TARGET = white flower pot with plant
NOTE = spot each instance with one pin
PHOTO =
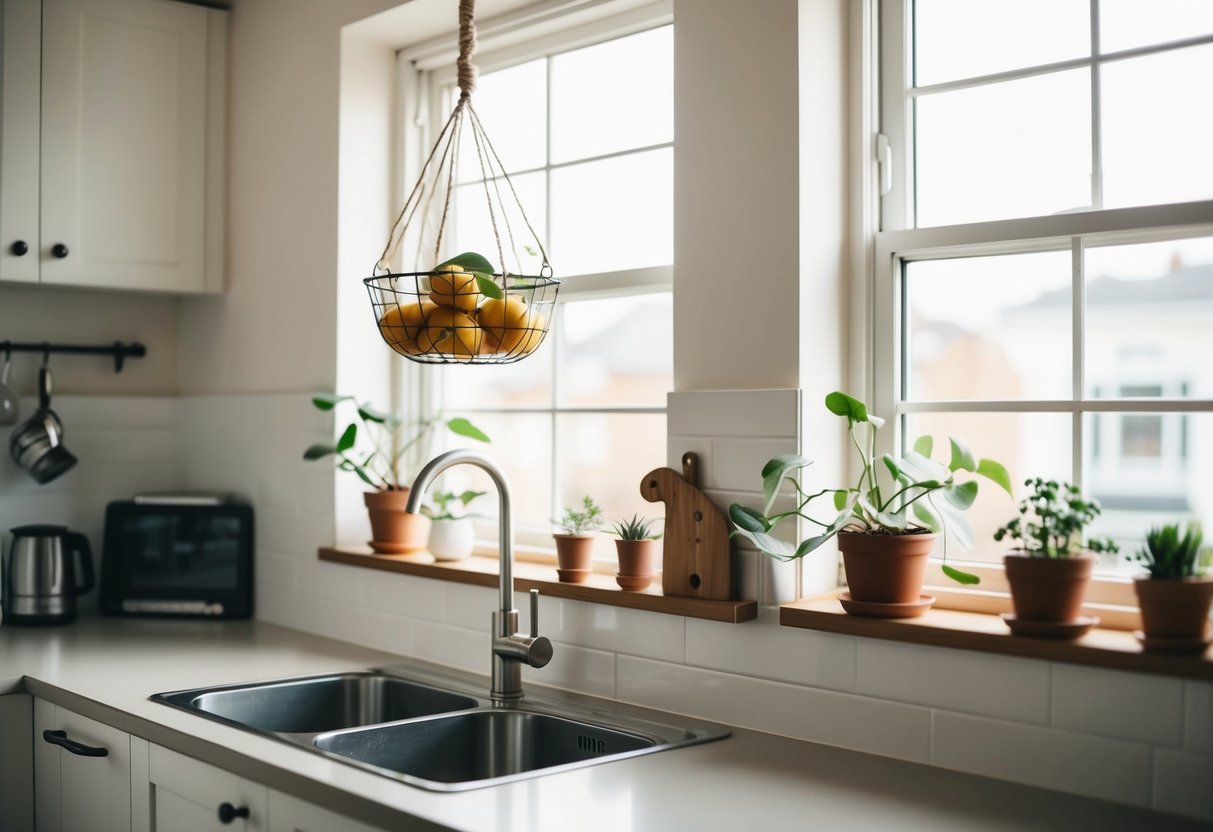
(452, 533)
(575, 546)
(885, 525)
(375, 455)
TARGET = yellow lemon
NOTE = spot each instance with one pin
(507, 321)
(532, 337)
(455, 288)
(405, 319)
(450, 331)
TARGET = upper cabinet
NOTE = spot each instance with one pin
(111, 162)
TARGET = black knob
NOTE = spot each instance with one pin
(228, 812)
(59, 250)
(19, 248)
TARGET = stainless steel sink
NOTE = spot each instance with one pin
(435, 729)
(486, 745)
(325, 703)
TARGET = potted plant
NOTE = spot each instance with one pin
(452, 535)
(1174, 597)
(378, 464)
(1049, 567)
(575, 546)
(635, 550)
(886, 524)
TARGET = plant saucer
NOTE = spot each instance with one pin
(875, 609)
(393, 548)
(573, 576)
(1157, 644)
(1050, 629)
(633, 583)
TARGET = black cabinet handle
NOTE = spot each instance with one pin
(19, 248)
(60, 739)
(228, 812)
(59, 250)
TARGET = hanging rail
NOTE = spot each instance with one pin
(118, 350)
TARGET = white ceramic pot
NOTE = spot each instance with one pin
(452, 539)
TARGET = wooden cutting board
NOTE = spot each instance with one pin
(695, 560)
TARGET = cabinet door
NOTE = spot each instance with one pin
(124, 158)
(16, 763)
(187, 796)
(74, 791)
(289, 814)
(19, 138)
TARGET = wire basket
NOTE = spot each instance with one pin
(467, 309)
(441, 317)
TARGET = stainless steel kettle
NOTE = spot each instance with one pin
(43, 572)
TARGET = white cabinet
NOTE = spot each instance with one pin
(126, 132)
(82, 773)
(187, 795)
(16, 763)
(289, 814)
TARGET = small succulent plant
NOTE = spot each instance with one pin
(638, 528)
(1170, 554)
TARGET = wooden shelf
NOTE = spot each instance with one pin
(1115, 649)
(598, 589)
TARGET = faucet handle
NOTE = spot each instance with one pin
(534, 613)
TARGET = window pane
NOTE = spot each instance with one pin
(1124, 24)
(1015, 149)
(613, 214)
(1147, 469)
(613, 96)
(474, 226)
(606, 456)
(1156, 120)
(525, 384)
(963, 39)
(1029, 444)
(617, 351)
(512, 105)
(1150, 319)
(522, 445)
(989, 327)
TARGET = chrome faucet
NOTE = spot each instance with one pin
(510, 648)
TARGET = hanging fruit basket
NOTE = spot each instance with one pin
(464, 309)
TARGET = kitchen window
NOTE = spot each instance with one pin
(583, 121)
(1043, 271)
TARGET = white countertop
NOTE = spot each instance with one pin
(107, 668)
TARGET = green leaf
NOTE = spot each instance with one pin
(362, 475)
(996, 472)
(462, 427)
(347, 439)
(960, 495)
(751, 520)
(927, 516)
(488, 287)
(962, 456)
(834, 528)
(319, 451)
(327, 401)
(924, 445)
(956, 524)
(841, 498)
(370, 414)
(890, 520)
(891, 464)
(768, 544)
(775, 472)
(966, 578)
(922, 470)
(470, 261)
(467, 496)
(840, 404)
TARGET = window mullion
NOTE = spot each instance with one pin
(1078, 299)
(1096, 112)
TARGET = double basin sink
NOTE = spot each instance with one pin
(442, 736)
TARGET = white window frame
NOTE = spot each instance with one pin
(896, 242)
(535, 32)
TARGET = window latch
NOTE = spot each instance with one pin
(884, 157)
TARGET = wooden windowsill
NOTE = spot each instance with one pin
(1115, 649)
(598, 589)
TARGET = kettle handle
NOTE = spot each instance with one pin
(83, 554)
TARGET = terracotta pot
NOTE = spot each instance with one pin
(1048, 589)
(391, 525)
(635, 564)
(885, 568)
(452, 539)
(574, 553)
(1174, 608)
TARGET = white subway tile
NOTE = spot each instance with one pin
(330, 581)
(737, 463)
(1078, 763)
(1133, 706)
(456, 647)
(763, 648)
(1183, 783)
(469, 606)
(957, 680)
(734, 413)
(403, 594)
(275, 569)
(577, 669)
(676, 446)
(848, 721)
(720, 697)
(1198, 716)
(619, 630)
